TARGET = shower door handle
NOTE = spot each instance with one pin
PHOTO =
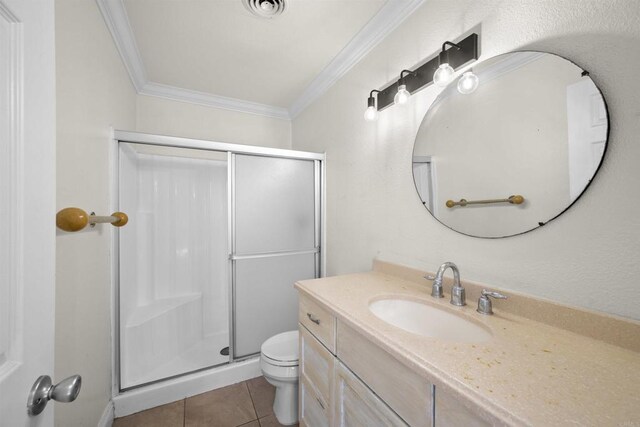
(236, 257)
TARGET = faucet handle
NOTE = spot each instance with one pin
(493, 294)
(436, 287)
(484, 303)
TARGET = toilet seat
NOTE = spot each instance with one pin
(284, 364)
(281, 349)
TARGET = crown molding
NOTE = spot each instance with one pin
(115, 16)
(392, 14)
(210, 100)
(117, 21)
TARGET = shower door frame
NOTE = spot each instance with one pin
(233, 256)
(231, 150)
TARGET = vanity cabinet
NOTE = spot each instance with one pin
(331, 395)
(346, 380)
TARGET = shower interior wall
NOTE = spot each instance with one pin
(174, 299)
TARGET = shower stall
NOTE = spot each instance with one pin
(217, 235)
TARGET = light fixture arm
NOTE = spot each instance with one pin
(371, 102)
(402, 76)
(444, 45)
(443, 57)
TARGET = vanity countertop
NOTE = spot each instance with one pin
(529, 373)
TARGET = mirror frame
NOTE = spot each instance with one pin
(595, 173)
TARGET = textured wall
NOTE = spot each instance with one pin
(587, 257)
(93, 93)
(167, 117)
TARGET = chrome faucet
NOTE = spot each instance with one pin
(457, 292)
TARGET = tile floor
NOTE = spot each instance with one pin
(246, 404)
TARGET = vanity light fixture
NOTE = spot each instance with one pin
(468, 83)
(445, 72)
(453, 55)
(371, 113)
(402, 96)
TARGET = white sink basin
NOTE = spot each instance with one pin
(428, 321)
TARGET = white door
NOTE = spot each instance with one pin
(424, 178)
(27, 205)
(587, 133)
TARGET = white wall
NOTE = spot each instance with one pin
(586, 257)
(93, 92)
(167, 117)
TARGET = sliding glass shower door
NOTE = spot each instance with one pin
(275, 242)
(217, 236)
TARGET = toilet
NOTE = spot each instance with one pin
(279, 364)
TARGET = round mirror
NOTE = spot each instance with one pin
(511, 146)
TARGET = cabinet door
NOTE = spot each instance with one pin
(316, 364)
(356, 406)
(451, 413)
(406, 393)
(316, 381)
(314, 412)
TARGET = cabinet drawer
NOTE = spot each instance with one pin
(404, 391)
(357, 406)
(316, 364)
(313, 411)
(319, 322)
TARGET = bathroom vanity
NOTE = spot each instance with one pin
(348, 380)
(547, 365)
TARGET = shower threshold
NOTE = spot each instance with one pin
(204, 354)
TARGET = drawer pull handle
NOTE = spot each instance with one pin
(313, 318)
(320, 402)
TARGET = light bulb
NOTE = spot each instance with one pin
(402, 96)
(468, 83)
(443, 75)
(371, 114)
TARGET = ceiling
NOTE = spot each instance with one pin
(215, 52)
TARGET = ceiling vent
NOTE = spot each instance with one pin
(265, 8)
